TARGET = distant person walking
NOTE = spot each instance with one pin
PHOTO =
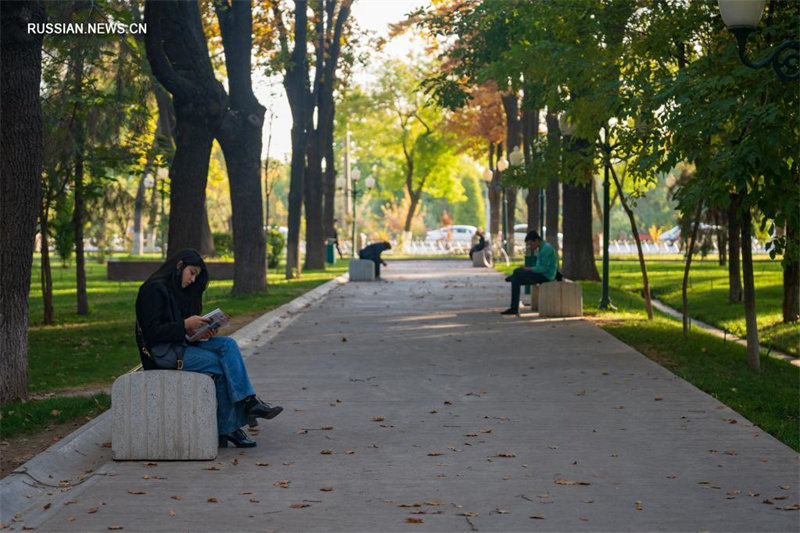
(545, 269)
(168, 308)
(373, 253)
(478, 246)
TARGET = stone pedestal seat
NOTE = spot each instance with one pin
(560, 299)
(480, 258)
(361, 270)
(164, 415)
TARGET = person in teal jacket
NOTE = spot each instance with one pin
(545, 269)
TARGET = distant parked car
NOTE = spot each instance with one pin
(672, 235)
(457, 233)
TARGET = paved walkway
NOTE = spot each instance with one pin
(412, 405)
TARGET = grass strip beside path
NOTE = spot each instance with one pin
(770, 399)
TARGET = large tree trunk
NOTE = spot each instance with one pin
(722, 236)
(734, 243)
(20, 185)
(578, 261)
(178, 55)
(513, 139)
(46, 273)
(553, 191)
(749, 287)
(206, 237)
(240, 138)
(79, 140)
(312, 201)
(791, 273)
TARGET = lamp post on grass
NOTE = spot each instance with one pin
(741, 17)
(355, 192)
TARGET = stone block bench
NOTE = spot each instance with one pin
(560, 299)
(361, 270)
(164, 415)
(534, 297)
(479, 258)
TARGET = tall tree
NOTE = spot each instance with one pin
(20, 183)
(178, 55)
(240, 139)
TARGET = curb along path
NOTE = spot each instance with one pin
(412, 405)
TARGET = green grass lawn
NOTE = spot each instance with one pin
(708, 296)
(770, 399)
(89, 351)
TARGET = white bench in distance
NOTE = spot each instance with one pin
(479, 258)
(164, 415)
(361, 270)
(560, 299)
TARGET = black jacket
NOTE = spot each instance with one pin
(158, 317)
(373, 251)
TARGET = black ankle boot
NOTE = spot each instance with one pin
(239, 439)
(255, 408)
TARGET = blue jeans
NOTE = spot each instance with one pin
(220, 356)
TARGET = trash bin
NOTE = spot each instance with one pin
(329, 257)
(530, 260)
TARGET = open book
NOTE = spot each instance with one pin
(216, 319)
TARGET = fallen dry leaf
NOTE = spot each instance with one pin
(470, 434)
(412, 520)
(213, 468)
(283, 484)
(245, 493)
(172, 512)
(434, 503)
(212, 500)
(562, 481)
(253, 500)
(137, 492)
(46, 506)
(106, 445)
(619, 407)
(784, 487)
(501, 511)
(300, 505)
(150, 463)
(302, 431)
(235, 461)
(92, 510)
(176, 497)
(506, 454)
(539, 517)
(378, 419)
(638, 506)
(732, 421)
(326, 489)
(486, 431)
(448, 402)
(469, 514)
(409, 505)
(433, 411)
(657, 399)
(349, 452)
(262, 464)
(582, 393)
(326, 452)
(434, 454)
(115, 528)
(70, 502)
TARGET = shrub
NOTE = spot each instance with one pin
(223, 243)
(275, 244)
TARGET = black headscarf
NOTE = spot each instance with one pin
(190, 298)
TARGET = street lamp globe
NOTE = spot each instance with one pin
(741, 13)
(487, 174)
(502, 165)
(369, 182)
(355, 174)
(515, 157)
(566, 125)
(149, 181)
(340, 182)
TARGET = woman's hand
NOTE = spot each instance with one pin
(193, 323)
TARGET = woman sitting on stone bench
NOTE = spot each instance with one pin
(167, 309)
(545, 269)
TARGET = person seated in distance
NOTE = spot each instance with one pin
(479, 245)
(545, 269)
(169, 307)
(373, 253)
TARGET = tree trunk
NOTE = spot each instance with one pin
(138, 208)
(178, 56)
(749, 289)
(734, 243)
(412, 210)
(689, 254)
(532, 200)
(722, 236)
(206, 238)
(188, 176)
(791, 272)
(79, 140)
(552, 192)
(312, 201)
(513, 139)
(635, 230)
(578, 258)
(495, 194)
(21, 149)
(46, 274)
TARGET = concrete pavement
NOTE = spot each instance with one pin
(412, 405)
